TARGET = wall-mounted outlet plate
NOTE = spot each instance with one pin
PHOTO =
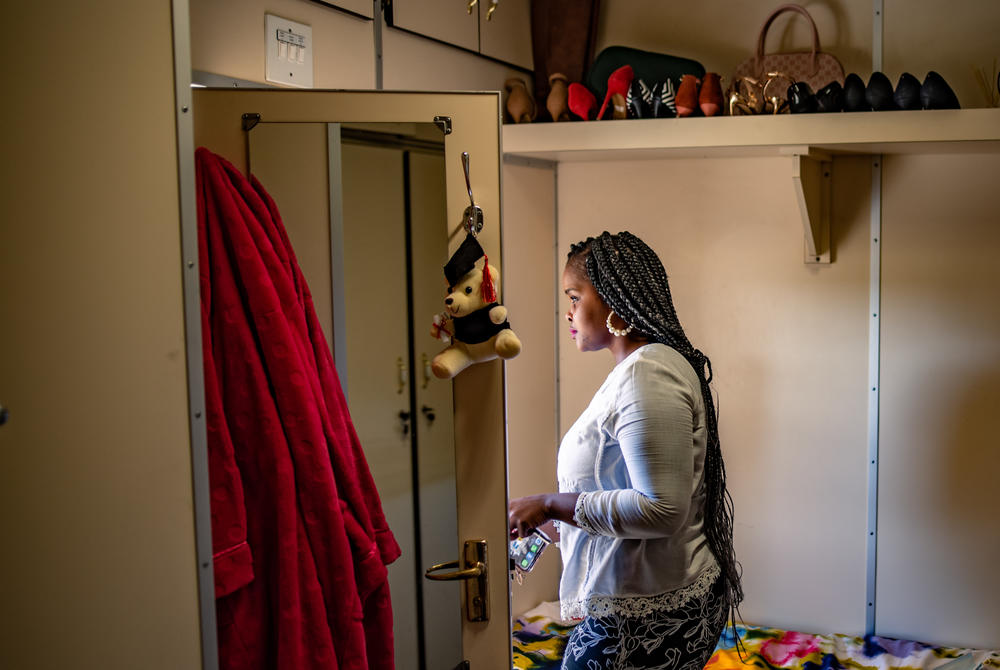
(289, 52)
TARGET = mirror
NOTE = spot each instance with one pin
(365, 209)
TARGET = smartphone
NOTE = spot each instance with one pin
(524, 551)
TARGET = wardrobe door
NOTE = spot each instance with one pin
(445, 20)
(377, 376)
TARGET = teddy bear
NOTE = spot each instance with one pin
(473, 322)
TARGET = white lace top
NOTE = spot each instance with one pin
(637, 456)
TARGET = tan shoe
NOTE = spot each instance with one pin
(558, 101)
(520, 104)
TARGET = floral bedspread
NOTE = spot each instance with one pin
(539, 640)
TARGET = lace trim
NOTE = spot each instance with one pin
(580, 516)
(640, 606)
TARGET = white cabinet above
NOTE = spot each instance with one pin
(503, 34)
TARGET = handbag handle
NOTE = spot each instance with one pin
(791, 7)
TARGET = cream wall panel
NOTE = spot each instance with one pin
(96, 514)
(720, 34)
(788, 344)
(227, 38)
(532, 434)
(951, 39)
(939, 533)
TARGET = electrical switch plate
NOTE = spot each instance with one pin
(289, 52)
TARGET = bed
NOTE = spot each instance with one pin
(540, 636)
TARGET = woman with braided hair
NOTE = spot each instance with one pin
(646, 523)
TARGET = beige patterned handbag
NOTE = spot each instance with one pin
(815, 67)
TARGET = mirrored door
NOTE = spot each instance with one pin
(373, 239)
(224, 123)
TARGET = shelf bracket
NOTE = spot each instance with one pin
(812, 177)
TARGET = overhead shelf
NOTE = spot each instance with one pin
(810, 141)
(925, 131)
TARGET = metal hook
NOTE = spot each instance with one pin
(473, 215)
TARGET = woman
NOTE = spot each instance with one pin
(645, 518)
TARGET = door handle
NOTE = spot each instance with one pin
(467, 573)
(401, 375)
(474, 573)
(425, 365)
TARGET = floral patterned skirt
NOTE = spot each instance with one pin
(680, 639)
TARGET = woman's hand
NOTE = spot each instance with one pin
(527, 513)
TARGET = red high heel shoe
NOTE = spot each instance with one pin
(687, 95)
(581, 100)
(618, 83)
(710, 98)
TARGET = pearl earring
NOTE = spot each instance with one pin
(615, 331)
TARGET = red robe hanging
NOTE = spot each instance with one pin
(299, 538)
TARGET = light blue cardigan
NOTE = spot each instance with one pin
(637, 456)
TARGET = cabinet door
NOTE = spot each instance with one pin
(445, 20)
(359, 7)
(506, 35)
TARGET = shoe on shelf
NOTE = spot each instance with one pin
(520, 104)
(801, 99)
(581, 101)
(639, 100)
(618, 108)
(687, 95)
(936, 94)
(664, 104)
(854, 94)
(907, 95)
(879, 93)
(558, 100)
(710, 96)
(618, 84)
(830, 98)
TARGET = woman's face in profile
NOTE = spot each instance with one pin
(587, 312)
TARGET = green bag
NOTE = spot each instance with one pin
(649, 66)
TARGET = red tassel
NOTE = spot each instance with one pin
(489, 291)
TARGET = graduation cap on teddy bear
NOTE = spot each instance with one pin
(464, 261)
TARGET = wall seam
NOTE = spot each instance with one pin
(874, 350)
(191, 286)
(874, 356)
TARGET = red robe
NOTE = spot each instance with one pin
(299, 538)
